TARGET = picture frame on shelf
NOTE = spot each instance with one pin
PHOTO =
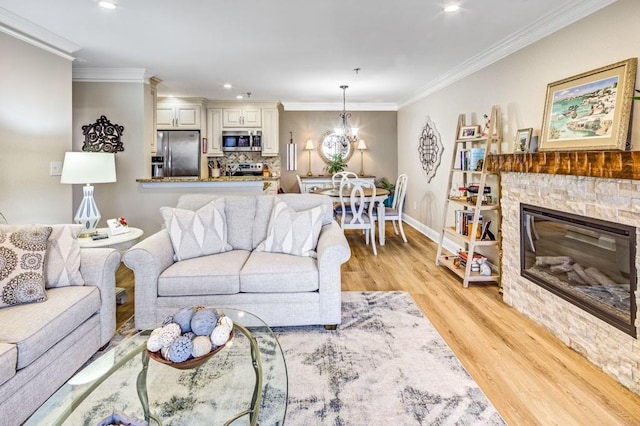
(590, 111)
(469, 132)
(523, 140)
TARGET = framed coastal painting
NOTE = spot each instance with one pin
(590, 111)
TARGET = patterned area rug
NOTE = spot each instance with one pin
(385, 364)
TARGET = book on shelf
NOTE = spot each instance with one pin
(476, 155)
(464, 222)
(464, 257)
(464, 159)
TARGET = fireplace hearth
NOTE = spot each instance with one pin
(587, 262)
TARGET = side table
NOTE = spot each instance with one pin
(120, 242)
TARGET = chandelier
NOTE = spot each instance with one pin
(346, 133)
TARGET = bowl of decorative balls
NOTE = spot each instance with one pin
(189, 337)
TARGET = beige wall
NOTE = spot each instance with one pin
(35, 128)
(518, 85)
(378, 129)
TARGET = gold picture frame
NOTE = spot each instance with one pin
(590, 111)
(523, 139)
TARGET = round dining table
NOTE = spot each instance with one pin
(381, 195)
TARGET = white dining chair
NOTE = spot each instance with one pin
(300, 186)
(337, 178)
(394, 213)
(359, 214)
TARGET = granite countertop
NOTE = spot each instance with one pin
(218, 179)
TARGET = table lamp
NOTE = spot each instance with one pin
(309, 147)
(361, 146)
(88, 168)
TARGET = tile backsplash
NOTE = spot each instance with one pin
(248, 157)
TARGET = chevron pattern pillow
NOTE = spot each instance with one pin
(197, 233)
(293, 232)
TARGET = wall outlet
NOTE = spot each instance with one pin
(55, 168)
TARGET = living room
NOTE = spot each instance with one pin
(44, 107)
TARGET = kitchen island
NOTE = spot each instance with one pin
(237, 184)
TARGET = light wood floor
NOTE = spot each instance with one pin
(529, 375)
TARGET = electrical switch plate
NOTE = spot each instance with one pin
(55, 168)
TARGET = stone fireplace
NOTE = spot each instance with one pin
(582, 185)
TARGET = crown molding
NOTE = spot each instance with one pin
(111, 75)
(332, 106)
(35, 35)
(554, 20)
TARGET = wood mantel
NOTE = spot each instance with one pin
(602, 164)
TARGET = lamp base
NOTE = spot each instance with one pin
(88, 214)
(309, 173)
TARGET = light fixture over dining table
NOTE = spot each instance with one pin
(347, 133)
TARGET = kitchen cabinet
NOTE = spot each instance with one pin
(214, 132)
(178, 116)
(242, 117)
(270, 132)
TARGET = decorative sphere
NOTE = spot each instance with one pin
(191, 335)
(180, 349)
(168, 319)
(169, 333)
(156, 331)
(154, 343)
(183, 318)
(201, 346)
(165, 352)
(220, 335)
(203, 322)
(226, 321)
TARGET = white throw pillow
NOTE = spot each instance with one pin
(293, 232)
(62, 266)
(197, 233)
(22, 260)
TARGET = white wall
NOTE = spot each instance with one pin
(518, 85)
(35, 128)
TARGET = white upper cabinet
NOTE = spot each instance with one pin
(214, 132)
(178, 116)
(270, 132)
(242, 117)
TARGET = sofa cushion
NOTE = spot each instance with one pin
(241, 213)
(36, 328)
(214, 274)
(293, 232)
(8, 361)
(22, 260)
(197, 233)
(278, 273)
(62, 264)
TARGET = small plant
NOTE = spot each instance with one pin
(385, 183)
(336, 164)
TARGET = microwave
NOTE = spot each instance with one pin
(242, 140)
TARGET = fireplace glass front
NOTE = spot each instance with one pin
(586, 261)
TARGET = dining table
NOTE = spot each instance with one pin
(381, 195)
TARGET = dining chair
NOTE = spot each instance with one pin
(300, 186)
(337, 178)
(394, 213)
(359, 214)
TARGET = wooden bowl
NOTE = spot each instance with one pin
(191, 362)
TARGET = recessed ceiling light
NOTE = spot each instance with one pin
(227, 86)
(239, 97)
(107, 4)
(451, 8)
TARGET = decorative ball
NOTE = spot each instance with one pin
(154, 343)
(165, 352)
(183, 318)
(156, 331)
(220, 335)
(168, 319)
(226, 321)
(180, 349)
(201, 346)
(169, 333)
(191, 335)
(203, 322)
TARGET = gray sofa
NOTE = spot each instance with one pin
(281, 289)
(43, 344)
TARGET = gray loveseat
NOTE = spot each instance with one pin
(43, 344)
(281, 289)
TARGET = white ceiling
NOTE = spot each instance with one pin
(296, 51)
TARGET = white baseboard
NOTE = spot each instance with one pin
(430, 233)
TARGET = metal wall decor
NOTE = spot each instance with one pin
(103, 136)
(430, 149)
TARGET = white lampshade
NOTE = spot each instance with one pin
(309, 146)
(88, 168)
(361, 144)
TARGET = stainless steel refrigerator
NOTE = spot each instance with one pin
(181, 152)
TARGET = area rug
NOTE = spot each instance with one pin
(385, 364)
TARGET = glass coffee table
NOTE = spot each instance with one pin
(244, 383)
